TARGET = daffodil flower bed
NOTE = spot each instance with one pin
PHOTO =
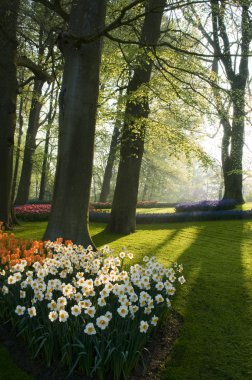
(92, 311)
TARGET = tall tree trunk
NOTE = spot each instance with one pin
(43, 179)
(105, 190)
(78, 106)
(30, 144)
(8, 98)
(110, 164)
(17, 159)
(232, 171)
(123, 213)
(225, 157)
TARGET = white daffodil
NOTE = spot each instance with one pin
(143, 326)
(90, 329)
(159, 298)
(76, 310)
(20, 310)
(109, 315)
(5, 290)
(32, 311)
(123, 311)
(61, 301)
(154, 320)
(181, 280)
(101, 301)
(122, 255)
(102, 322)
(130, 255)
(159, 286)
(53, 315)
(63, 315)
(91, 311)
(52, 305)
(11, 280)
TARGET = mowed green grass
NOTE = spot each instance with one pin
(216, 301)
(246, 206)
(155, 210)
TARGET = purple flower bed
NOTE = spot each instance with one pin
(224, 204)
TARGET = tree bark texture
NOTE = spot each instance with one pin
(110, 165)
(30, 144)
(50, 118)
(8, 98)
(123, 213)
(17, 158)
(43, 179)
(111, 159)
(232, 168)
(78, 106)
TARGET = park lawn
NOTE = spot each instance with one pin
(216, 301)
(246, 206)
(155, 210)
(145, 210)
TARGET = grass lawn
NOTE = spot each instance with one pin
(161, 210)
(246, 206)
(216, 301)
(155, 210)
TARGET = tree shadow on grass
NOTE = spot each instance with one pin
(101, 238)
(215, 342)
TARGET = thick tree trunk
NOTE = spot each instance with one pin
(8, 98)
(17, 159)
(110, 165)
(78, 106)
(232, 168)
(30, 144)
(123, 212)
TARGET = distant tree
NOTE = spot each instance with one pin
(30, 144)
(41, 53)
(227, 39)
(114, 145)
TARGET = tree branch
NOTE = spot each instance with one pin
(55, 7)
(37, 70)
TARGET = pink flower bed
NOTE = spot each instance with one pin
(33, 212)
(33, 209)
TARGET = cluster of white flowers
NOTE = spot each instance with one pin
(80, 283)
